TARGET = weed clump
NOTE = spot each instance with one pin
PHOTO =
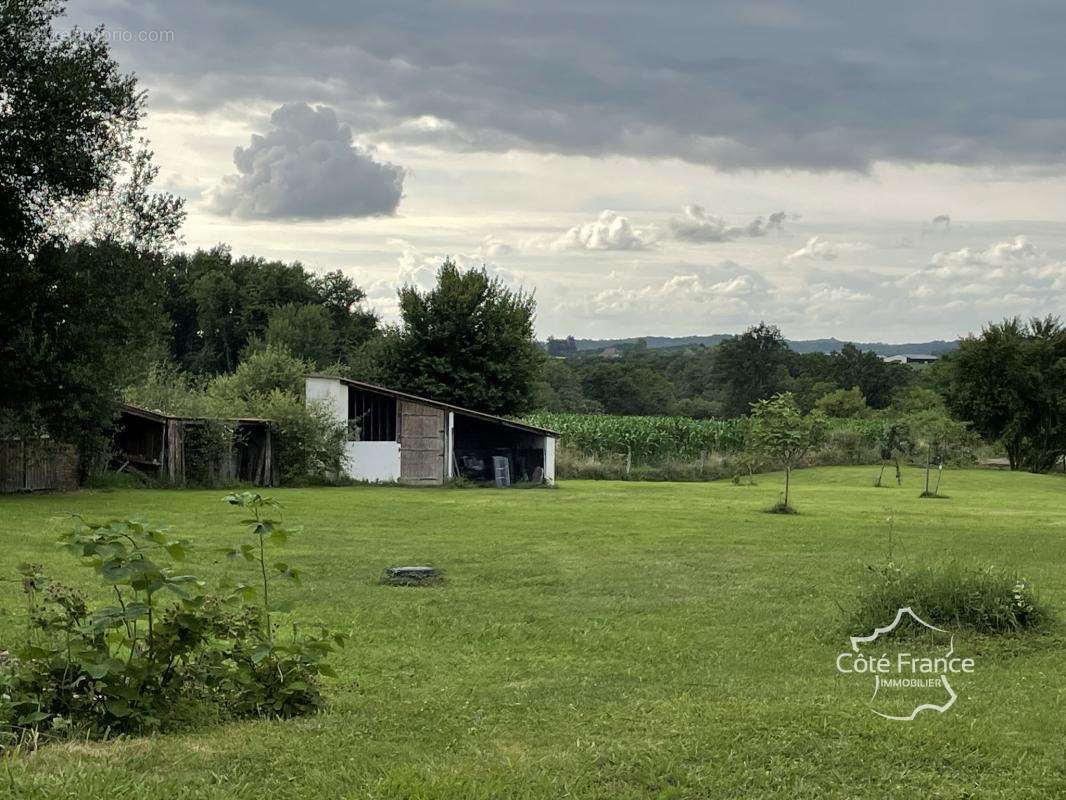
(982, 599)
(781, 508)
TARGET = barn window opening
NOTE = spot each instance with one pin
(371, 417)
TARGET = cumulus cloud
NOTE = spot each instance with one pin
(610, 231)
(306, 167)
(492, 247)
(727, 289)
(1001, 254)
(820, 249)
(697, 225)
(1012, 276)
(724, 297)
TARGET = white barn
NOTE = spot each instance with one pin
(399, 437)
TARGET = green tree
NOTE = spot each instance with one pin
(628, 388)
(893, 441)
(784, 434)
(87, 333)
(468, 341)
(261, 371)
(751, 367)
(938, 438)
(78, 314)
(353, 325)
(843, 404)
(876, 379)
(66, 114)
(307, 332)
(559, 389)
(1010, 381)
(219, 305)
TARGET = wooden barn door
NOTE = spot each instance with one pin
(421, 443)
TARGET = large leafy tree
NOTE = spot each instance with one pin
(80, 232)
(353, 324)
(306, 331)
(219, 305)
(66, 112)
(875, 378)
(1010, 382)
(629, 387)
(751, 367)
(468, 341)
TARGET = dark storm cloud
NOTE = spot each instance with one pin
(305, 167)
(825, 85)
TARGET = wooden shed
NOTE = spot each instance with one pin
(172, 448)
(399, 437)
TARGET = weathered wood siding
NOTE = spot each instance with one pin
(36, 465)
(422, 431)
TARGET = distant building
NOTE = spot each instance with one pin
(911, 358)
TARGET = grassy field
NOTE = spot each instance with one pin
(602, 640)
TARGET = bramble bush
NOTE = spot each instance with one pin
(164, 650)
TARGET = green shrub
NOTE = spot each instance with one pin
(163, 650)
(850, 446)
(309, 445)
(983, 599)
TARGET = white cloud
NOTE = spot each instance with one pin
(306, 167)
(491, 247)
(1006, 253)
(820, 249)
(1013, 276)
(610, 231)
(728, 290)
(417, 268)
(697, 225)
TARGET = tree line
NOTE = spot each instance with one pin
(723, 381)
(95, 294)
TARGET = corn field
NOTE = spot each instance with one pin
(650, 440)
(645, 439)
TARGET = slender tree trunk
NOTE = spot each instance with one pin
(881, 474)
(788, 475)
(928, 464)
(899, 474)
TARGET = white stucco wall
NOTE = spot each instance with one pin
(549, 460)
(376, 462)
(331, 393)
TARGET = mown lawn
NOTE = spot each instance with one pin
(602, 640)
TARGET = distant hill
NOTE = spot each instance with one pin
(936, 347)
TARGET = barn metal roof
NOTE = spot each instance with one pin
(469, 412)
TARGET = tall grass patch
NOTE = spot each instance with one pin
(983, 599)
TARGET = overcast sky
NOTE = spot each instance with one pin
(889, 171)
